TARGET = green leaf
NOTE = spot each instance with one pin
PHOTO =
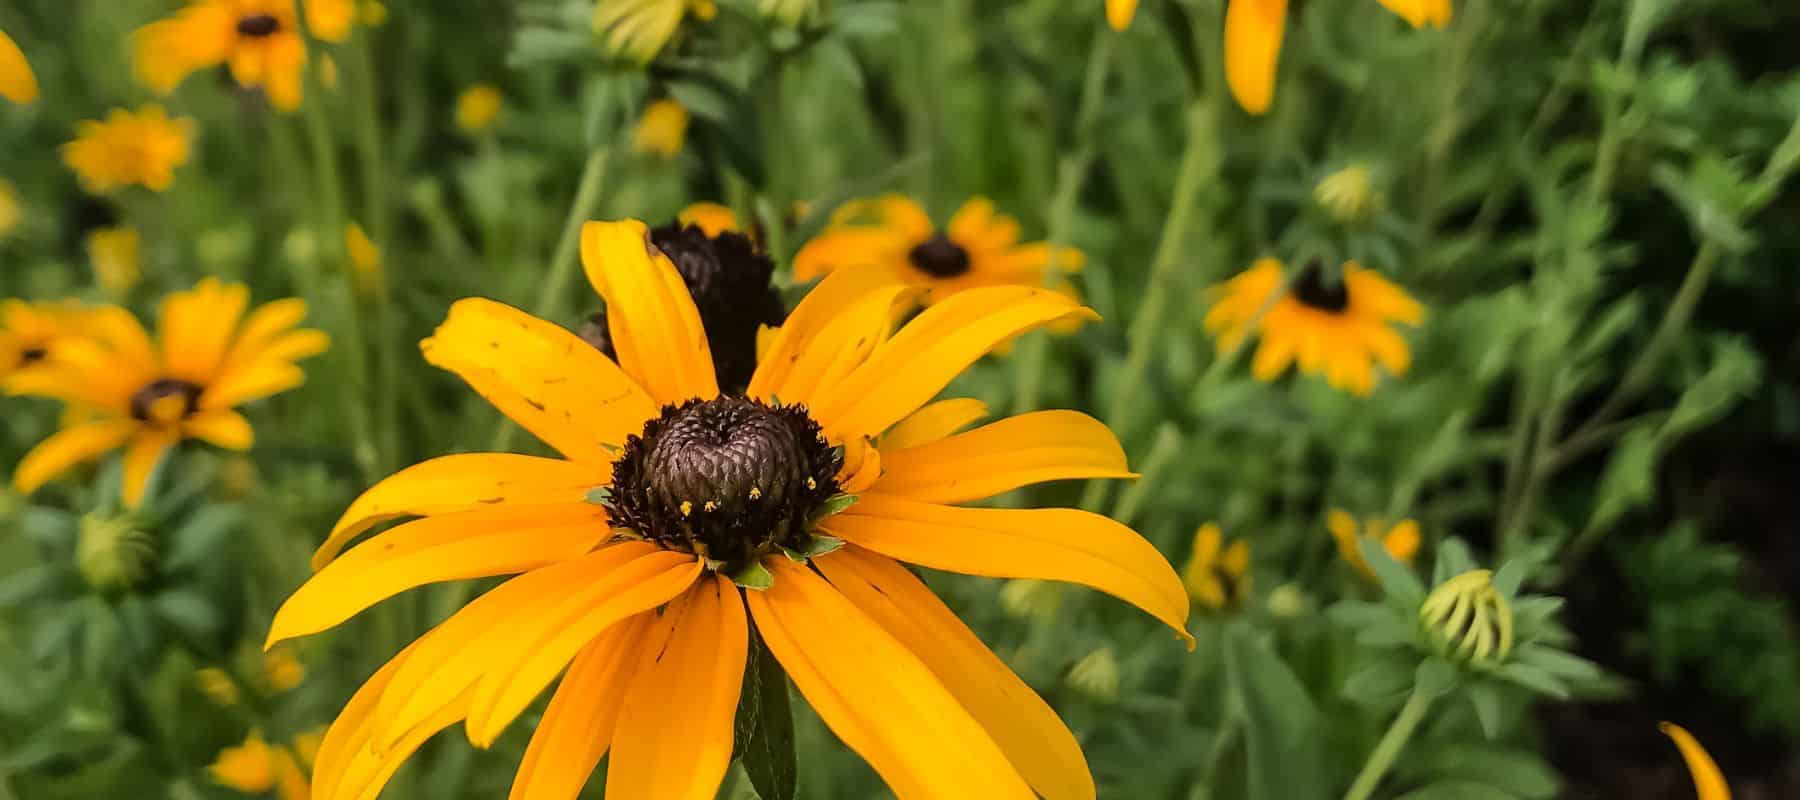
(1734, 372)
(1628, 479)
(1397, 579)
(1518, 773)
(823, 545)
(765, 725)
(1489, 710)
(833, 505)
(753, 576)
(1453, 559)
(1436, 677)
(1279, 715)
(1534, 678)
(1558, 663)
(189, 612)
(1380, 683)
(1457, 790)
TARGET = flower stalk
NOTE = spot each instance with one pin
(1381, 759)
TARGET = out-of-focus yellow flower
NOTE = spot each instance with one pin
(306, 745)
(115, 254)
(209, 357)
(639, 29)
(1709, 782)
(282, 669)
(1253, 33)
(113, 554)
(980, 247)
(218, 686)
(1097, 674)
(787, 12)
(1217, 576)
(10, 212)
(17, 83)
(1401, 541)
(365, 260)
(662, 130)
(1348, 194)
(259, 40)
(127, 148)
(477, 107)
(372, 13)
(32, 333)
(1340, 331)
(712, 218)
(1120, 12)
(256, 767)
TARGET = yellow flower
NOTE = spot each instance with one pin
(1401, 541)
(31, 333)
(637, 30)
(1253, 32)
(256, 767)
(10, 213)
(372, 13)
(306, 745)
(662, 130)
(142, 148)
(146, 396)
(365, 260)
(477, 107)
(1217, 576)
(17, 83)
(892, 236)
(1120, 12)
(1468, 619)
(714, 493)
(282, 670)
(1709, 782)
(115, 255)
(217, 685)
(1339, 331)
(259, 40)
(712, 218)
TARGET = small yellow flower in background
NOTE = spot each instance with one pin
(115, 254)
(282, 669)
(1217, 576)
(1253, 33)
(365, 260)
(113, 554)
(218, 686)
(17, 83)
(1120, 12)
(306, 745)
(1097, 674)
(1709, 782)
(30, 333)
(11, 214)
(208, 358)
(259, 40)
(662, 130)
(477, 107)
(1401, 541)
(372, 13)
(256, 767)
(128, 148)
(1348, 194)
(712, 218)
(637, 30)
(1338, 331)
(893, 235)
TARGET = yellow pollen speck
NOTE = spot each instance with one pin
(811, 484)
(755, 493)
(687, 508)
(712, 506)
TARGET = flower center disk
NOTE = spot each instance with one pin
(940, 257)
(730, 479)
(258, 25)
(1311, 289)
(165, 400)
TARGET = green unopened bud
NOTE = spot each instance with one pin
(300, 247)
(112, 553)
(1289, 601)
(1097, 675)
(788, 12)
(1349, 194)
(1027, 598)
(1467, 619)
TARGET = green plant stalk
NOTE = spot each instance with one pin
(1381, 759)
(1162, 451)
(375, 217)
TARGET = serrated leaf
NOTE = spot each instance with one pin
(1733, 373)
(765, 726)
(753, 576)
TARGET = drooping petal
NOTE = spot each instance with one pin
(368, 771)
(1709, 781)
(541, 646)
(1036, 741)
(1253, 31)
(462, 482)
(245, 385)
(655, 326)
(674, 734)
(876, 695)
(196, 326)
(349, 734)
(222, 428)
(578, 725)
(262, 325)
(17, 83)
(500, 540)
(934, 422)
(1120, 12)
(1051, 544)
(68, 447)
(543, 377)
(840, 302)
(1018, 451)
(931, 350)
(861, 249)
(141, 457)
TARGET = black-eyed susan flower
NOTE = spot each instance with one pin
(17, 83)
(662, 130)
(258, 40)
(257, 768)
(209, 357)
(128, 148)
(636, 30)
(1120, 12)
(1401, 540)
(1709, 781)
(1217, 576)
(31, 332)
(1253, 33)
(712, 218)
(632, 551)
(477, 107)
(893, 236)
(115, 253)
(1338, 330)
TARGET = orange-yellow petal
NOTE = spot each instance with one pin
(141, 457)
(993, 459)
(1709, 782)
(934, 422)
(1253, 31)
(196, 326)
(654, 324)
(1120, 12)
(832, 329)
(578, 725)
(221, 428)
(17, 83)
(69, 447)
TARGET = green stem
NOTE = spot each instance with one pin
(1668, 332)
(1162, 451)
(1388, 749)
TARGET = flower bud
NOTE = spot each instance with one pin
(1467, 619)
(1097, 675)
(112, 554)
(1348, 194)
